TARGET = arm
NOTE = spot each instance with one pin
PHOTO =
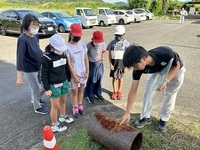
(86, 65)
(19, 78)
(172, 73)
(71, 69)
(131, 98)
(110, 58)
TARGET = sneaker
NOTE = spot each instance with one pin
(81, 109)
(90, 100)
(42, 102)
(42, 111)
(114, 96)
(141, 123)
(119, 95)
(58, 128)
(75, 112)
(162, 126)
(100, 98)
(66, 119)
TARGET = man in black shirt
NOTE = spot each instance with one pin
(166, 73)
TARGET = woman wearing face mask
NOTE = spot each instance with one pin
(29, 61)
(55, 80)
(116, 50)
(78, 66)
(96, 54)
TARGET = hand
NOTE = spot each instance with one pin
(162, 87)
(76, 80)
(125, 119)
(111, 67)
(19, 81)
(86, 76)
(48, 93)
(125, 69)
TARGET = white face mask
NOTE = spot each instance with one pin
(96, 44)
(58, 52)
(34, 31)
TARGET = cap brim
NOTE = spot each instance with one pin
(97, 41)
(77, 34)
(118, 33)
(61, 48)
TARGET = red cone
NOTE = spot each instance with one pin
(49, 139)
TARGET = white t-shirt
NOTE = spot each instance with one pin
(77, 56)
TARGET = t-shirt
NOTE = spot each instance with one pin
(77, 56)
(94, 52)
(161, 55)
(28, 53)
(117, 50)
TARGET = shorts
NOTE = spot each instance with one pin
(117, 74)
(58, 91)
(75, 85)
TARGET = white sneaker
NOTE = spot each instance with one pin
(66, 119)
(58, 128)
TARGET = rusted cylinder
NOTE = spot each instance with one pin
(106, 130)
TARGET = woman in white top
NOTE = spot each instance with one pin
(78, 66)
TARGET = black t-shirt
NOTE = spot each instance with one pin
(161, 55)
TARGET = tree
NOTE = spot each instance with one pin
(164, 6)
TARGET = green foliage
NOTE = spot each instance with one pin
(138, 4)
(156, 7)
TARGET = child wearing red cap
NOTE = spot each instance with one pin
(116, 50)
(78, 66)
(96, 54)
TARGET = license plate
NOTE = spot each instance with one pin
(50, 28)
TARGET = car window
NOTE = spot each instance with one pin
(129, 12)
(121, 13)
(89, 12)
(62, 15)
(22, 13)
(101, 12)
(45, 14)
(79, 12)
(109, 11)
(9, 14)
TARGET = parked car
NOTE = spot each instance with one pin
(106, 16)
(142, 15)
(63, 20)
(122, 17)
(149, 15)
(11, 20)
(87, 16)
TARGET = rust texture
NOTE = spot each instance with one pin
(111, 124)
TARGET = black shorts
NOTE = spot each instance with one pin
(117, 74)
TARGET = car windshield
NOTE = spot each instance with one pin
(109, 11)
(89, 12)
(63, 15)
(137, 11)
(22, 13)
(129, 12)
(147, 11)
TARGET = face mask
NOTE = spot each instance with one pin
(58, 52)
(118, 38)
(96, 44)
(76, 38)
(34, 31)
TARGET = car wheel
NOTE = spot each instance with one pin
(61, 28)
(147, 18)
(102, 23)
(3, 31)
(91, 27)
(121, 21)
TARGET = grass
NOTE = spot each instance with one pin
(179, 136)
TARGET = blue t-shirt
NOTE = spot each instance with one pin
(28, 53)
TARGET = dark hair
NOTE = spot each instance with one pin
(133, 54)
(28, 18)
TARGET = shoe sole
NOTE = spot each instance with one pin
(58, 131)
(162, 130)
(66, 122)
(41, 113)
(139, 127)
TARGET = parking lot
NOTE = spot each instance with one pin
(21, 128)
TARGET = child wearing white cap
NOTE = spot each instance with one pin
(55, 80)
(116, 50)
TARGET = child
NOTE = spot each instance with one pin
(96, 54)
(78, 66)
(29, 61)
(54, 79)
(116, 50)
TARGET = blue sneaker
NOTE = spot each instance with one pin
(42, 102)
(42, 111)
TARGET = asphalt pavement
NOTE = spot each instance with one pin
(21, 128)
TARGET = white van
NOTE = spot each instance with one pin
(87, 16)
(105, 16)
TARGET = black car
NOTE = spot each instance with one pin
(11, 20)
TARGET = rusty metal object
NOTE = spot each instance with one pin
(106, 130)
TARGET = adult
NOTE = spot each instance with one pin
(29, 61)
(183, 13)
(166, 73)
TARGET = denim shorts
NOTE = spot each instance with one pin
(58, 91)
